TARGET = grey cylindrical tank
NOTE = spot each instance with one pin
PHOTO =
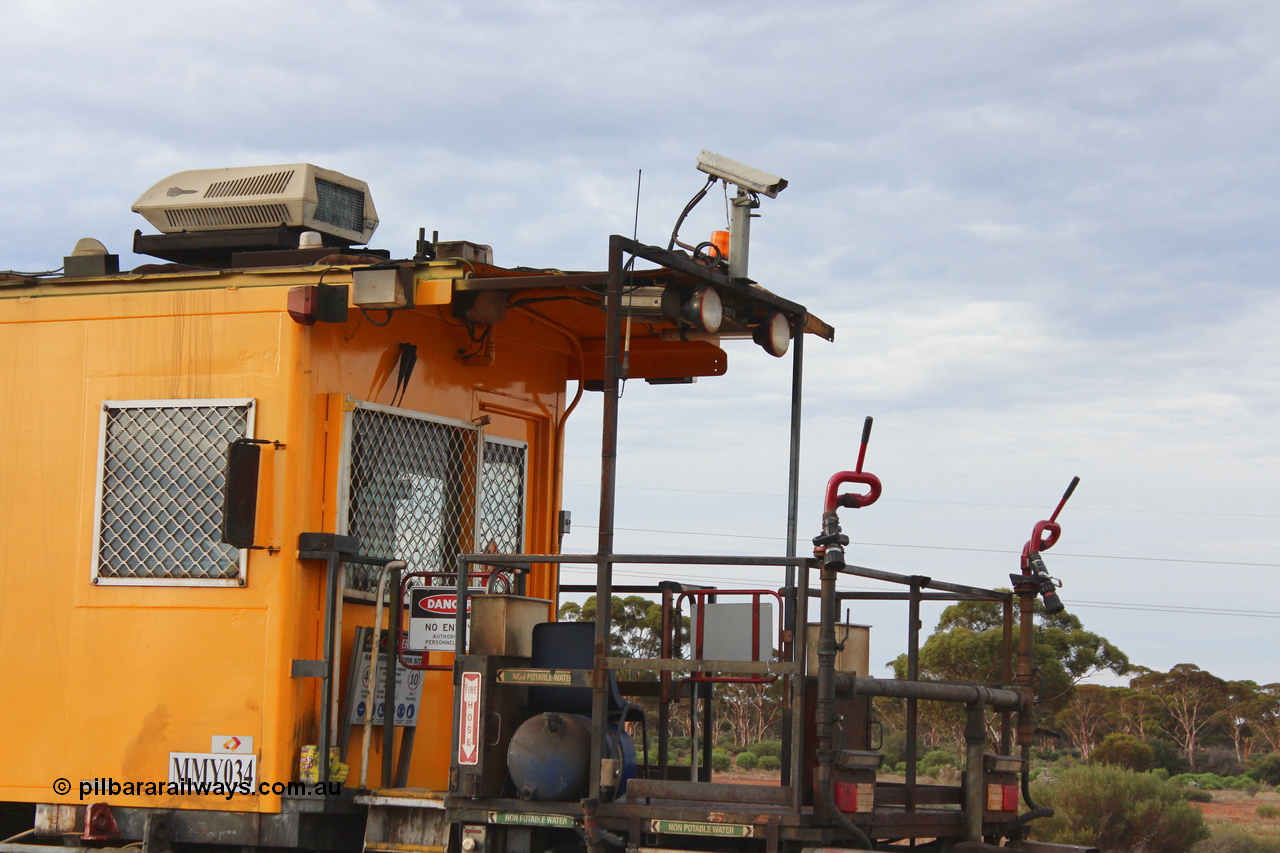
(549, 757)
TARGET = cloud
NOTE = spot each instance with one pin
(1044, 231)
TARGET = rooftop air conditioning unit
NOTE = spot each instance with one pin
(298, 195)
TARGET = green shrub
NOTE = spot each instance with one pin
(1218, 759)
(1207, 781)
(1117, 810)
(748, 760)
(1230, 839)
(1196, 795)
(720, 760)
(1268, 811)
(894, 747)
(930, 764)
(770, 762)
(768, 747)
(1266, 768)
(1121, 750)
(1165, 753)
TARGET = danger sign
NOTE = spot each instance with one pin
(432, 619)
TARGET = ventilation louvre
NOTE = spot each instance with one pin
(273, 183)
(211, 217)
(297, 196)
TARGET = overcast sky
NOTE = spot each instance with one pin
(1045, 233)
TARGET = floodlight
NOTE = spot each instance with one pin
(774, 335)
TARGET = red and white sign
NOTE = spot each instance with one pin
(469, 724)
(442, 604)
(432, 619)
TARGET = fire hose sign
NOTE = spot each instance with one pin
(469, 721)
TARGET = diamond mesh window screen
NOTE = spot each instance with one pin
(502, 498)
(412, 490)
(160, 499)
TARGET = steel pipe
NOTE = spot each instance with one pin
(848, 685)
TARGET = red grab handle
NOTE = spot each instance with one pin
(1045, 535)
(850, 499)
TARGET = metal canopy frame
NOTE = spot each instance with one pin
(604, 558)
(796, 596)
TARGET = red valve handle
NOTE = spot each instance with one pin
(850, 499)
(1045, 535)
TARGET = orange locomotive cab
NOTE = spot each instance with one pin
(195, 657)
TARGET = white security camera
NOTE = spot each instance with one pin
(740, 174)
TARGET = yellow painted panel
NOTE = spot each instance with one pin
(115, 678)
(140, 685)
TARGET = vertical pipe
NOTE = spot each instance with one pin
(477, 547)
(332, 661)
(695, 761)
(339, 596)
(793, 470)
(608, 485)
(1006, 676)
(1026, 662)
(913, 674)
(664, 679)
(790, 622)
(825, 708)
(975, 739)
(375, 652)
(755, 626)
(707, 692)
(393, 658)
(708, 728)
(795, 734)
(406, 756)
(740, 233)
(460, 611)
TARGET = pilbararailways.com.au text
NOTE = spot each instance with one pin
(189, 788)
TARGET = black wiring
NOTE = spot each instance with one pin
(365, 314)
(534, 299)
(693, 202)
(479, 341)
(31, 274)
(408, 359)
(445, 318)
